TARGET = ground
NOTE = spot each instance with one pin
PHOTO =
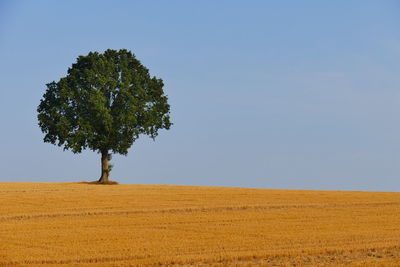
(138, 225)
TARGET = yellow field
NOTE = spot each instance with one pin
(135, 225)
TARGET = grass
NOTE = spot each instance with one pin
(137, 225)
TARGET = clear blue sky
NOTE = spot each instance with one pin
(269, 94)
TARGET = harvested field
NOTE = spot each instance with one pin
(138, 225)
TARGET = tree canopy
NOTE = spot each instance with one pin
(104, 104)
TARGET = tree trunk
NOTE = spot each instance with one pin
(105, 172)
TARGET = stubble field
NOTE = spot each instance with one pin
(138, 225)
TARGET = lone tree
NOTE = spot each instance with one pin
(104, 103)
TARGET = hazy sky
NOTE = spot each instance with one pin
(271, 94)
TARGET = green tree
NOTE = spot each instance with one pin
(104, 103)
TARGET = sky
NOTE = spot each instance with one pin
(265, 94)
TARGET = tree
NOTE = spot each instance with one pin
(104, 103)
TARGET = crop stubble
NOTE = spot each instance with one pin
(83, 224)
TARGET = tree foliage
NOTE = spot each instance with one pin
(104, 103)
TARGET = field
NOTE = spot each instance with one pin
(138, 225)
